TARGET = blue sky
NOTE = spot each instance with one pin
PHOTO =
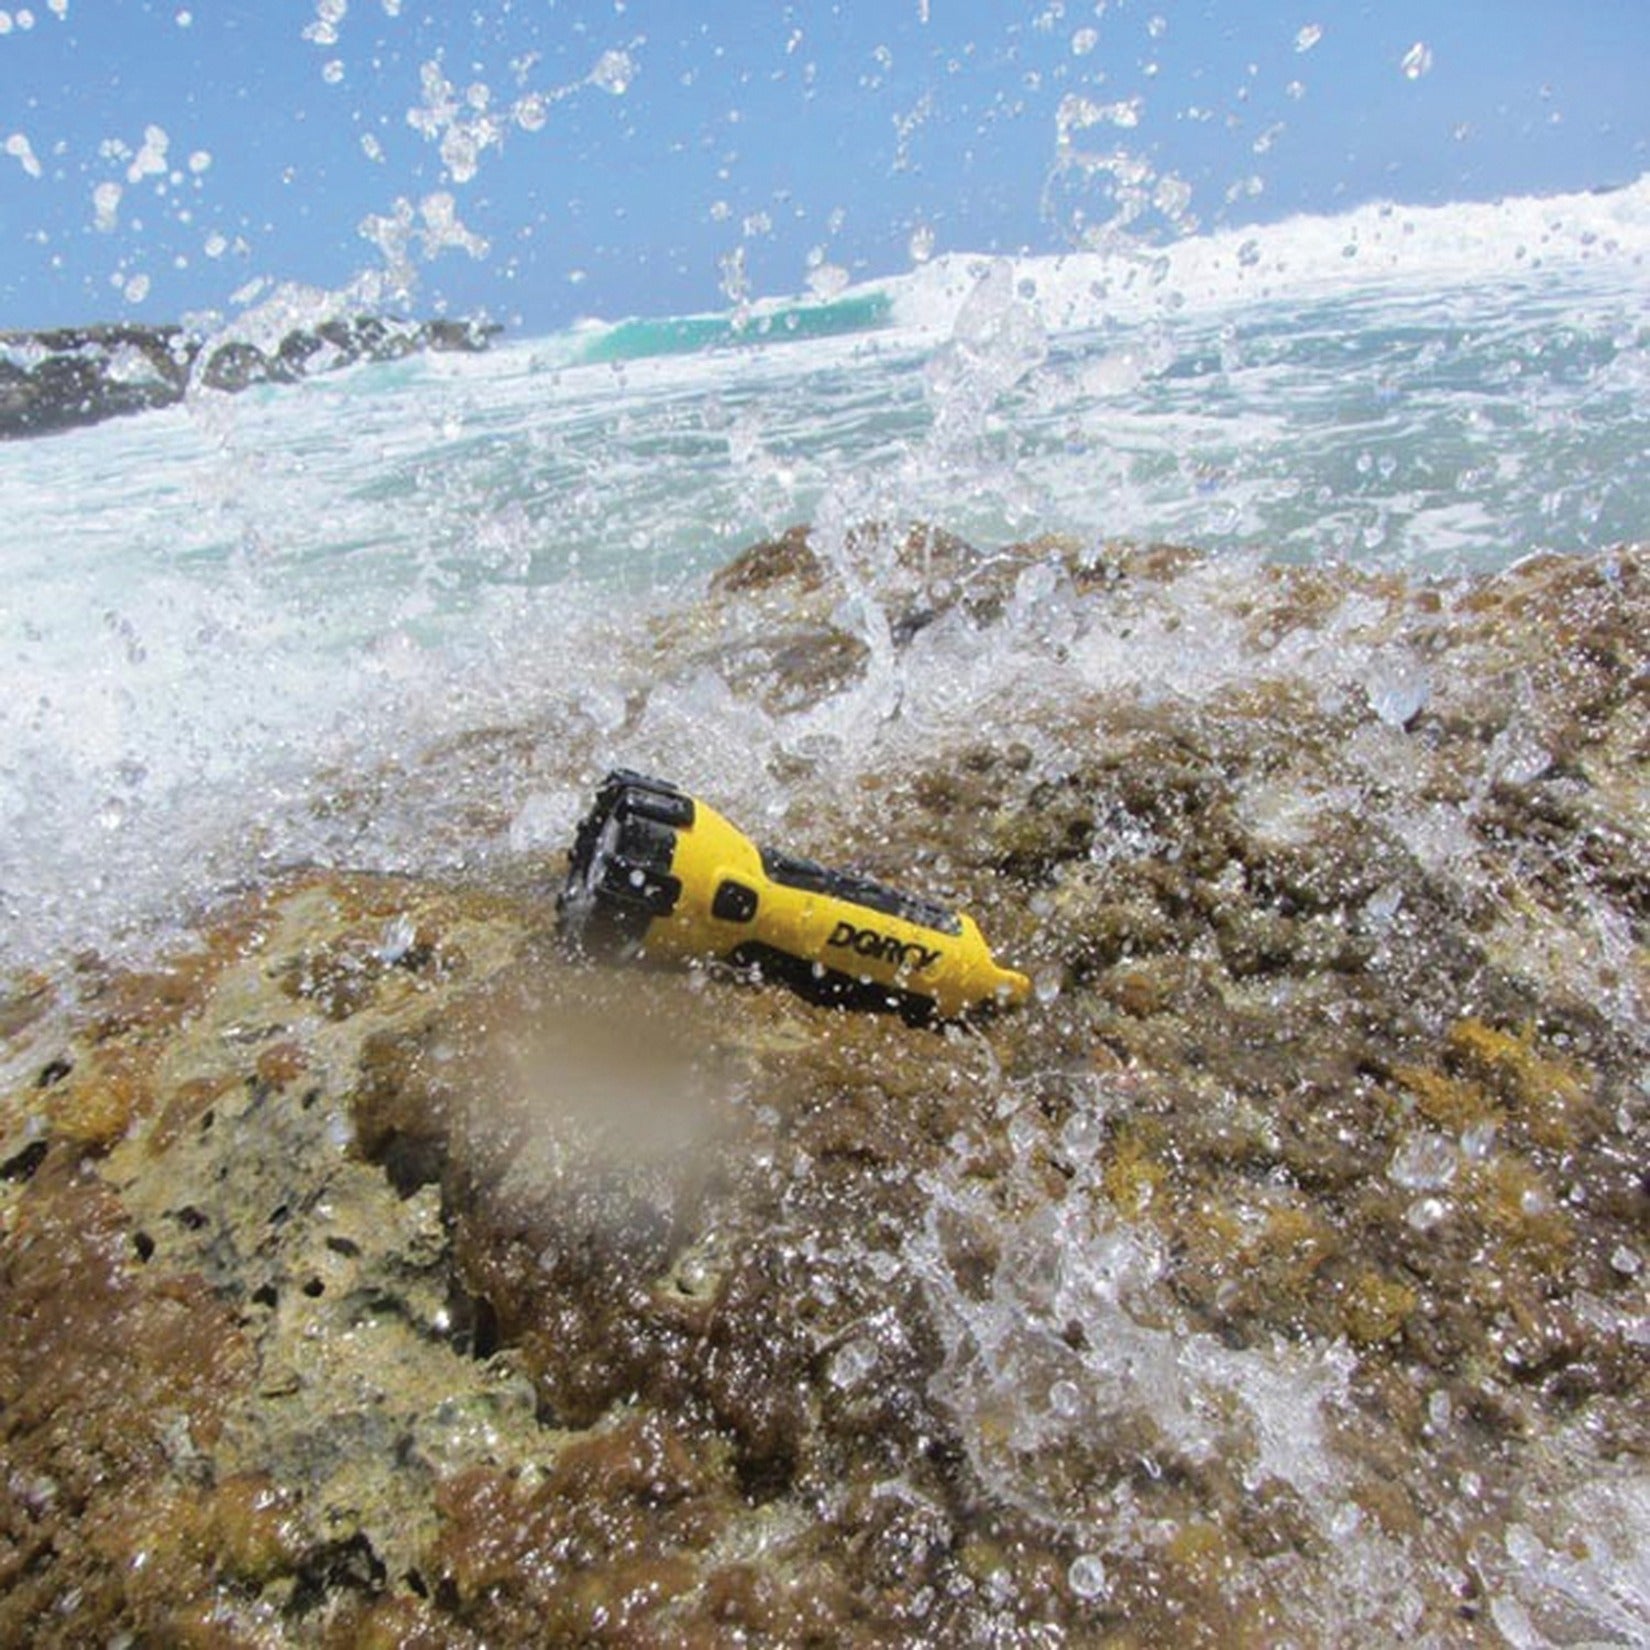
(639, 157)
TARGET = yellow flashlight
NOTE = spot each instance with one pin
(655, 874)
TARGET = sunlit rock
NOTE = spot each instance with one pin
(374, 1271)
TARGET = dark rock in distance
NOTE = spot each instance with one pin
(69, 377)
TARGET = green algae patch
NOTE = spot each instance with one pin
(1456, 1103)
(1550, 1098)
(1377, 1308)
(1135, 1174)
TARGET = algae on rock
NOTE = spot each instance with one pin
(375, 1275)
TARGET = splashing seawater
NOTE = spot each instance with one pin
(1320, 1005)
(209, 606)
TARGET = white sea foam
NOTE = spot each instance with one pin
(1379, 245)
(1583, 1577)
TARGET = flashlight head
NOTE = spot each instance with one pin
(619, 876)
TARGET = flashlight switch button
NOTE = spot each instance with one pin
(734, 902)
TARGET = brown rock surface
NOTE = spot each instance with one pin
(374, 1275)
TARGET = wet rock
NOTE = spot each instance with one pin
(74, 376)
(786, 560)
(110, 1383)
(24, 998)
(380, 1276)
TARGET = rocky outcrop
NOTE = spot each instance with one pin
(373, 1274)
(73, 376)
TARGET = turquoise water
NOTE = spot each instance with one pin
(639, 339)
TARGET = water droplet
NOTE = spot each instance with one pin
(397, 939)
(1081, 1136)
(1065, 1398)
(1478, 1141)
(1424, 1162)
(1087, 1576)
(852, 1363)
(614, 72)
(1399, 689)
(1425, 1213)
